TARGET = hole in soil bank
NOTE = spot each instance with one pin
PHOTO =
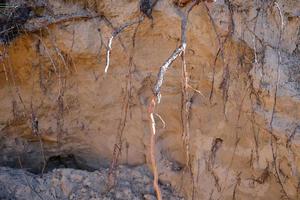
(36, 166)
(61, 161)
(19, 152)
(64, 161)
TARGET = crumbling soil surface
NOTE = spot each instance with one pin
(132, 183)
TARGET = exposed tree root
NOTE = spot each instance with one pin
(185, 108)
(117, 151)
(113, 35)
(157, 96)
(186, 103)
(43, 22)
(151, 108)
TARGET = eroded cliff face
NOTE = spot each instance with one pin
(242, 98)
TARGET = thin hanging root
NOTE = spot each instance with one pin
(185, 108)
(115, 34)
(2, 57)
(117, 152)
(156, 97)
(152, 148)
(161, 119)
(195, 90)
(291, 137)
(48, 54)
(220, 51)
(274, 147)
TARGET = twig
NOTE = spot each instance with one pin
(195, 90)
